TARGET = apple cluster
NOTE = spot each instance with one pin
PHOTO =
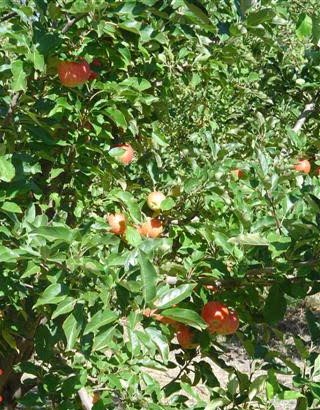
(151, 228)
(219, 318)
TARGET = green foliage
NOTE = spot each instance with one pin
(199, 89)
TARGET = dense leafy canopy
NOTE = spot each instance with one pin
(199, 89)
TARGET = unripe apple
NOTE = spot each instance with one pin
(127, 157)
(72, 74)
(117, 223)
(154, 200)
(152, 228)
(185, 337)
(303, 165)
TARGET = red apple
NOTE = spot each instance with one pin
(230, 325)
(93, 75)
(152, 228)
(72, 74)
(303, 165)
(238, 173)
(215, 314)
(185, 337)
(127, 157)
(117, 223)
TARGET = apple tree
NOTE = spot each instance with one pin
(159, 201)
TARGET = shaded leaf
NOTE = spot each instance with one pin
(148, 276)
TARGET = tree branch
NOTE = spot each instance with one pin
(86, 400)
(308, 110)
(8, 16)
(14, 102)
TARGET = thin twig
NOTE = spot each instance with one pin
(179, 374)
(274, 212)
(71, 22)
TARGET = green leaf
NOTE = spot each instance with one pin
(19, 81)
(186, 316)
(117, 116)
(148, 277)
(315, 30)
(72, 328)
(51, 295)
(130, 204)
(304, 27)
(316, 366)
(116, 152)
(174, 296)
(257, 386)
(102, 340)
(8, 255)
(167, 204)
(133, 237)
(314, 326)
(300, 346)
(245, 5)
(272, 385)
(261, 16)
(219, 403)
(31, 270)
(275, 306)
(37, 59)
(100, 319)
(132, 26)
(302, 404)
(64, 307)
(160, 341)
(198, 12)
(7, 170)
(140, 84)
(253, 239)
(222, 240)
(278, 244)
(289, 395)
(9, 338)
(52, 233)
(11, 207)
